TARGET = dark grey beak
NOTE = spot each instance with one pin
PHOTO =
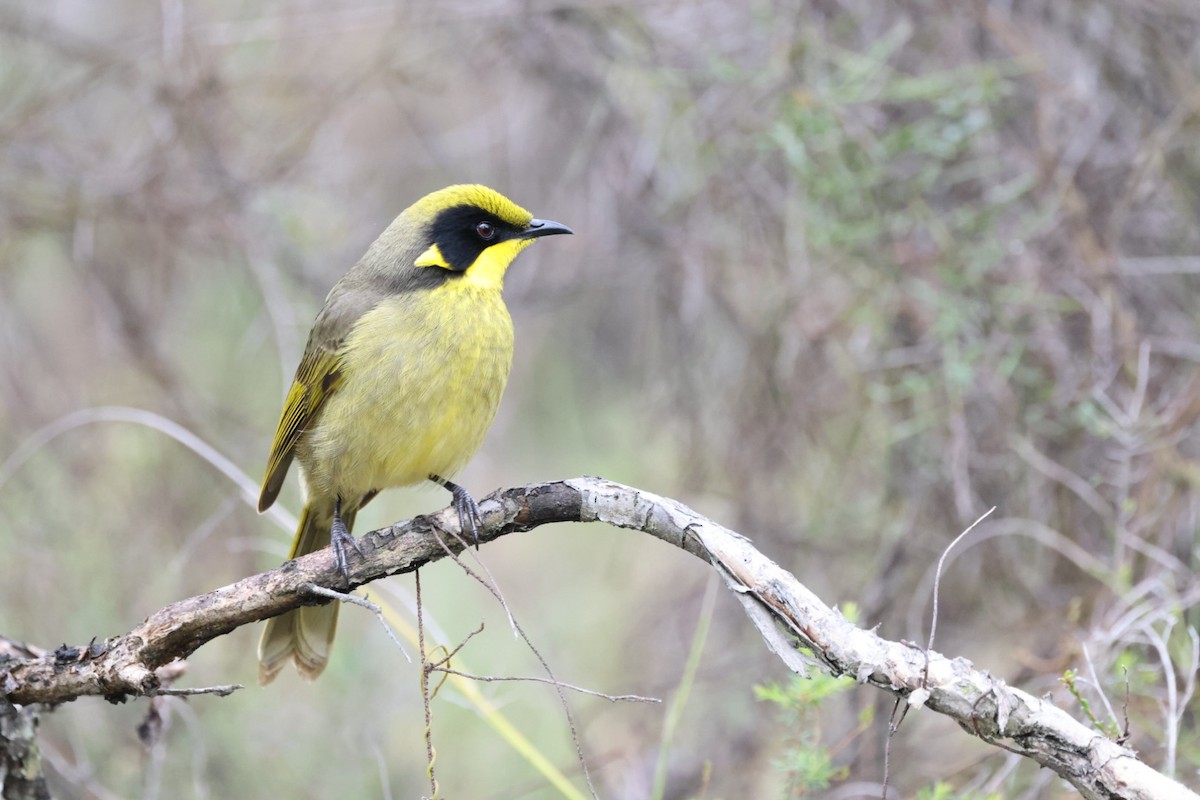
(544, 227)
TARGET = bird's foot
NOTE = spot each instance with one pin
(342, 540)
(470, 518)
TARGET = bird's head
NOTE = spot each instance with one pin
(472, 233)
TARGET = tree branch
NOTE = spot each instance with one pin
(786, 613)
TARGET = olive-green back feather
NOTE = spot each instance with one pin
(317, 376)
(386, 269)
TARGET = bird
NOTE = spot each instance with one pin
(399, 382)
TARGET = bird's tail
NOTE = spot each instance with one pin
(304, 635)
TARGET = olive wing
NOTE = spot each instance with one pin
(317, 377)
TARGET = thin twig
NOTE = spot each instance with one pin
(430, 754)
(614, 698)
(438, 664)
(1171, 715)
(893, 726)
(937, 585)
(536, 653)
(138, 416)
(1125, 734)
(1095, 681)
(491, 583)
(918, 697)
(219, 691)
(345, 597)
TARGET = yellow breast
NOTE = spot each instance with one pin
(423, 373)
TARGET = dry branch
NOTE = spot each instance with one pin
(787, 614)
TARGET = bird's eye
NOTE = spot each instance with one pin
(486, 230)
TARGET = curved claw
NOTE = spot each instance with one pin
(470, 518)
(341, 539)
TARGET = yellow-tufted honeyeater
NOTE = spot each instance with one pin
(399, 382)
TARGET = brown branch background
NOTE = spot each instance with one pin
(786, 613)
(846, 276)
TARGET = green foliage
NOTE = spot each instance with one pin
(806, 761)
(1109, 728)
(866, 184)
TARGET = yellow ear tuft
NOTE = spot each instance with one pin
(432, 257)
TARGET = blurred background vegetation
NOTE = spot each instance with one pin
(846, 274)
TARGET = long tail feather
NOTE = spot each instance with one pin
(305, 635)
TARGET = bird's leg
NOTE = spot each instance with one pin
(469, 516)
(341, 538)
